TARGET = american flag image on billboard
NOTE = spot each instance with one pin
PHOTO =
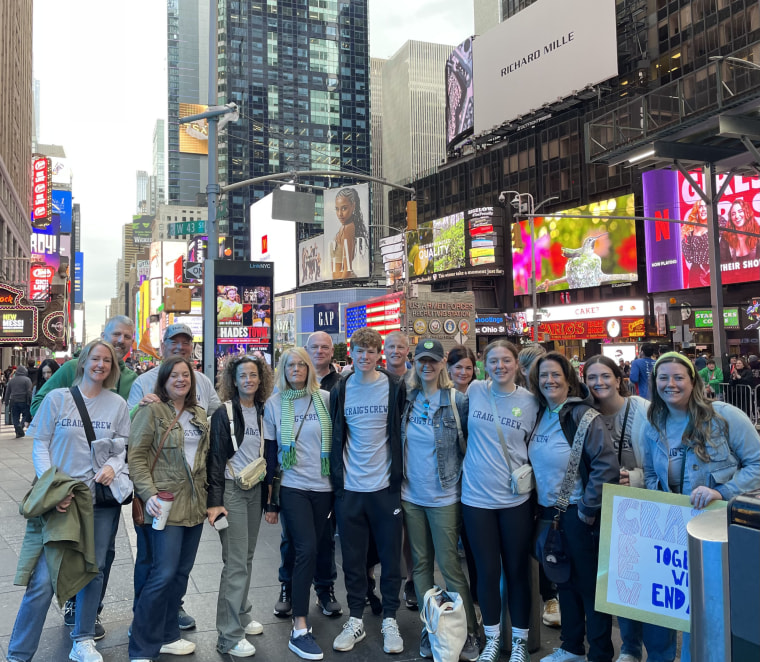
(383, 315)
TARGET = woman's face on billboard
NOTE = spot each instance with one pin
(344, 209)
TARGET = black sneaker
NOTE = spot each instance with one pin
(328, 604)
(284, 606)
(69, 613)
(410, 597)
(100, 631)
(372, 600)
(186, 622)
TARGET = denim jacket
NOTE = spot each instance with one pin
(448, 450)
(734, 466)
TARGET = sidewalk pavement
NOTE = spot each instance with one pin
(16, 473)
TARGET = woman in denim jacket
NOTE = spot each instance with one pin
(433, 449)
(708, 450)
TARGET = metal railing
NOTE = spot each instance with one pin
(743, 396)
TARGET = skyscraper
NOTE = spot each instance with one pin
(142, 204)
(158, 186)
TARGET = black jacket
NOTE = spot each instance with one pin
(330, 379)
(599, 463)
(221, 448)
(396, 402)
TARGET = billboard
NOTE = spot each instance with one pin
(193, 137)
(274, 241)
(18, 323)
(326, 317)
(678, 256)
(61, 203)
(311, 261)
(142, 232)
(452, 321)
(40, 280)
(383, 314)
(545, 52)
(460, 107)
(437, 246)
(244, 305)
(60, 170)
(574, 252)
(42, 187)
(78, 277)
(48, 245)
(346, 232)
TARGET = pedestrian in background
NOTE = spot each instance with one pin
(641, 370)
(18, 396)
(47, 369)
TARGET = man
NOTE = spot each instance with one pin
(641, 370)
(712, 376)
(366, 472)
(32, 371)
(18, 395)
(120, 332)
(178, 341)
(319, 346)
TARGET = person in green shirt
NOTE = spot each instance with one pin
(712, 376)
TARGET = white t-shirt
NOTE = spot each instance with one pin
(306, 472)
(60, 439)
(250, 449)
(192, 437)
(486, 476)
(367, 455)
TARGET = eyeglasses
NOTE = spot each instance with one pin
(297, 364)
(425, 410)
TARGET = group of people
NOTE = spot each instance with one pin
(19, 387)
(403, 462)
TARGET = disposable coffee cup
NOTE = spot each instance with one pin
(165, 502)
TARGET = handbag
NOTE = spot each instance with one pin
(253, 472)
(521, 479)
(104, 497)
(446, 624)
(551, 547)
(138, 505)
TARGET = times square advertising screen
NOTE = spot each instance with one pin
(576, 248)
(460, 98)
(678, 255)
(243, 294)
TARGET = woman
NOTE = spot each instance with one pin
(430, 491)
(625, 417)
(460, 364)
(47, 368)
(298, 438)
(525, 360)
(707, 450)
(352, 233)
(178, 425)
(499, 523)
(563, 402)
(740, 385)
(60, 441)
(735, 247)
(244, 385)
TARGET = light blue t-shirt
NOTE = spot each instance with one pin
(422, 484)
(367, 456)
(549, 454)
(486, 476)
(306, 472)
(192, 437)
(250, 449)
(674, 428)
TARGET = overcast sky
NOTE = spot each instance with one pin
(102, 71)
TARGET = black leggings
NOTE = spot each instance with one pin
(502, 537)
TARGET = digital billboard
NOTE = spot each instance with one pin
(460, 110)
(193, 137)
(42, 188)
(244, 305)
(61, 203)
(438, 246)
(40, 280)
(572, 252)
(78, 277)
(142, 232)
(544, 53)
(48, 245)
(311, 261)
(346, 232)
(678, 256)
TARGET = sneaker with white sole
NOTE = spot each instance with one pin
(242, 648)
(470, 650)
(392, 641)
(492, 650)
(519, 650)
(100, 631)
(551, 616)
(85, 651)
(561, 655)
(627, 657)
(328, 604)
(352, 633)
(184, 620)
(283, 606)
(254, 627)
(179, 647)
(305, 646)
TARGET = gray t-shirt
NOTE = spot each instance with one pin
(192, 437)
(250, 449)
(549, 454)
(367, 456)
(614, 424)
(486, 477)
(421, 484)
(306, 472)
(204, 390)
(674, 428)
(60, 439)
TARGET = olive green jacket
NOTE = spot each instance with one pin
(67, 539)
(172, 473)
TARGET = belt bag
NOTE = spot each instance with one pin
(253, 472)
(446, 624)
(521, 480)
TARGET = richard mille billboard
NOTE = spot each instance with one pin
(544, 53)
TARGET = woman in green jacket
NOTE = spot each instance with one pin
(178, 476)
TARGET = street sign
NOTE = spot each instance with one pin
(193, 271)
(185, 228)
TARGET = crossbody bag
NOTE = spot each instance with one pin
(253, 472)
(521, 479)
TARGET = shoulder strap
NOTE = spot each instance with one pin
(83, 413)
(231, 417)
(563, 500)
(500, 432)
(460, 434)
(622, 433)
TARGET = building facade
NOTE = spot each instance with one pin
(143, 193)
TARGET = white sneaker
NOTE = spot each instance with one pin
(392, 641)
(85, 651)
(561, 655)
(352, 633)
(243, 648)
(179, 647)
(254, 627)
(627, 657)
(551, 615)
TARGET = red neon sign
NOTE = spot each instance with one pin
(41, 277)
(42, 190)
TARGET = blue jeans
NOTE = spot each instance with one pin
(660, 642)
(34, 607)
(155, 610)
